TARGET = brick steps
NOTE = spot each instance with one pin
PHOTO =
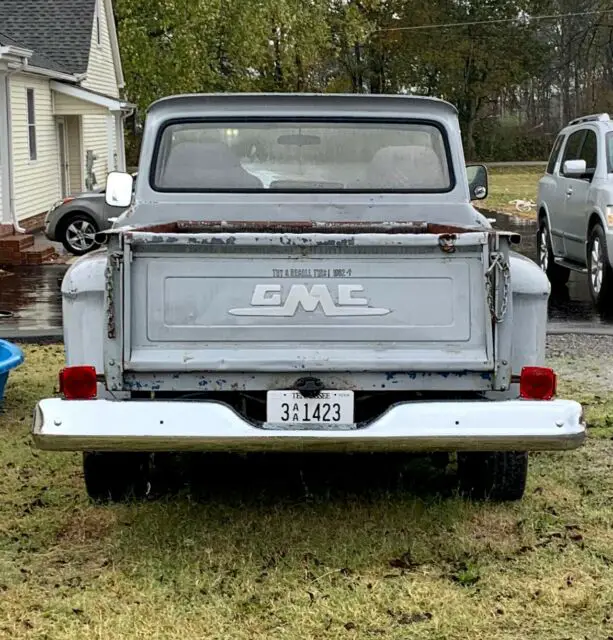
(16, 243)
(20, 249)
(39, 256)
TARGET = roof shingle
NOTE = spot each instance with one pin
(36, 60)
(58, 31)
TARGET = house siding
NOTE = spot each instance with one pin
(101, 77)
(68, 106)
(101, 73)
(95, 138)
(37, 182)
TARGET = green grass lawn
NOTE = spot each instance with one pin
(512, 183)
(276, 563)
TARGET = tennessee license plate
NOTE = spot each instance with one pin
(291, 407)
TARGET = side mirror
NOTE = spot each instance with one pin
(575, 168)
(119, 189)
(477, 181)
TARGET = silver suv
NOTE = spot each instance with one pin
(575, 205)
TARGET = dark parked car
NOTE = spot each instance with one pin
(75, 220)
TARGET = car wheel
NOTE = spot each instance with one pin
(78, 234)
(498, 476)
(114, 477)
(558, 275)
(600, 275)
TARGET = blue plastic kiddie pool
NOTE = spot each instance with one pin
(11, 356)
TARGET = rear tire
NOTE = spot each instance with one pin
(497, 476)
(115, 477)
(558, 276)
(600, 275)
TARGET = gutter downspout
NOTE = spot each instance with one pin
(9, 135)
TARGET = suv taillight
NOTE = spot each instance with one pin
(537, 383)
(78, 383)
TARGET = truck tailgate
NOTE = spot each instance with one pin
(282, 302)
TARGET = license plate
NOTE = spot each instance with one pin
(291, 407)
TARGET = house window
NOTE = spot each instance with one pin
(31, 124)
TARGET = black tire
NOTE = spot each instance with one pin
(115, 477)
(558, 276)
(497, 476)
(602, 295)
(78, 220)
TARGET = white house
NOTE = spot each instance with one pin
(61, 115)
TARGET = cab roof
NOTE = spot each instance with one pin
(305, 104)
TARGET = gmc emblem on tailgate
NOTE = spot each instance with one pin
(267, 301)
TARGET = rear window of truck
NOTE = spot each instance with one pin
(302, 157)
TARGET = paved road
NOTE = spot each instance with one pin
(30, 301)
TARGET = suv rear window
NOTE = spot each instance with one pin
(302, 156)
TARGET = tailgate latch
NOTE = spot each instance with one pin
(446, 241)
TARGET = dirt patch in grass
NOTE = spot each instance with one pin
(509, 184)
(87, 526)
(312, 563)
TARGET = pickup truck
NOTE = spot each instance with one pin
(305, 273)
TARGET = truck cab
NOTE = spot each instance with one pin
(305, 273)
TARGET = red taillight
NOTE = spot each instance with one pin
(78, 383)
(537, 383)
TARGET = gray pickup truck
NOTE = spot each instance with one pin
(305, 273)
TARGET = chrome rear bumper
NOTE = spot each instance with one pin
(98, 425)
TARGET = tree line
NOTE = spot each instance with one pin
(515, 77)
